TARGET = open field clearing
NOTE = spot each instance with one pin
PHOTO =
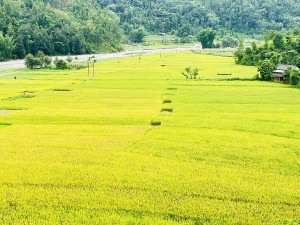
(79, 150)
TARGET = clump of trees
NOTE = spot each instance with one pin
(137, 35)
(278, 49)
(190, 73)
(61, 65)
(40, 60)
(207, 37)
(291, 76)
(266, 70)
(229, 42)
(56, 28)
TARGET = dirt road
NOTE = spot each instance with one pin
(19, 64)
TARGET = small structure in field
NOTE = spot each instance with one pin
(278, 73)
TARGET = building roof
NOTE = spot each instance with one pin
(285, 67)
(278, 71)
(281, 68)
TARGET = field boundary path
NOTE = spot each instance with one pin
(8, 73)
(19, 64)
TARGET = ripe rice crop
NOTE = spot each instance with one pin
(228, 154)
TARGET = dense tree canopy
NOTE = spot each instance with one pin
(281, 49)
(185, 17)
(56, 27)
(75, 26)
(206, 37)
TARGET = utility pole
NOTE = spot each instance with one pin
(93, 61)
(94, 68)
(160, 58)
(89, 66)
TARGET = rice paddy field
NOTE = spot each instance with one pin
(81, 150)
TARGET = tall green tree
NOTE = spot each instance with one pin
(6, 47)
(206, 37)
(137, 35)
(266, 70)
(278, 41)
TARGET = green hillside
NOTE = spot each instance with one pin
(187, 16)
(56, 27)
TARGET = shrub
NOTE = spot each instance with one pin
(78, 66)
(32, 62)
(190, 73)
(294, 78)
(40, 60)
(61, 65)
(229, 42)
(69, 59)
(47, 61)
(291, 76)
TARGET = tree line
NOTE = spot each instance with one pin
(186, 17)
(56, 27)
(77, 27)
(278, 48)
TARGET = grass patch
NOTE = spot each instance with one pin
(224, 52)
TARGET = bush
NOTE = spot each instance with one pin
(229, 42)
(190, 73)
(294, 79)
(69, 59)
(47, 61)
(77, 66)
(291, 76)
(137, 35)
(40, 60)
(32, 62)
(185, 40)
(61, 65)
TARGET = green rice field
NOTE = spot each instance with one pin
(81, 150)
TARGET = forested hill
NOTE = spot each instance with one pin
(187, 16)
(56, 27)
(76, 26)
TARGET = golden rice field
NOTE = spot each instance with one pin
(79, 150)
